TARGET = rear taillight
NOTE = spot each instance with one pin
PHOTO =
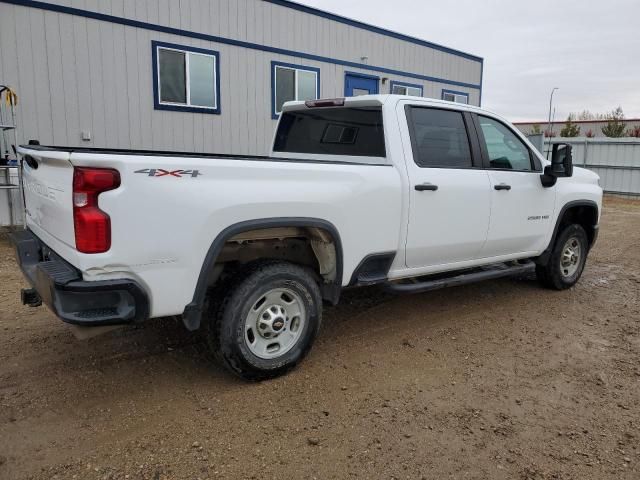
(92, 225)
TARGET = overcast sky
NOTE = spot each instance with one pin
(589, 49)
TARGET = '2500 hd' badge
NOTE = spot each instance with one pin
(159, 172)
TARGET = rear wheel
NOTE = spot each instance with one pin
(267, 321)
(566, 263)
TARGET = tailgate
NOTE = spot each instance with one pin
(48, 183)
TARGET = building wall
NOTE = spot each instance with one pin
(77, 71)
(585, 126)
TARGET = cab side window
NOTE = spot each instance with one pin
(506, 151)
(439, 138)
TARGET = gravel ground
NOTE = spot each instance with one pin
(499, 380)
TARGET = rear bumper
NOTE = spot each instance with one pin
(75, 301)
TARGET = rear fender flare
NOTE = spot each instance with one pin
(192, 314)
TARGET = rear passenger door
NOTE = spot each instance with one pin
(521, 208)
(449, 197)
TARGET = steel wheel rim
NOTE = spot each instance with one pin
(570, 257)
(275, 323)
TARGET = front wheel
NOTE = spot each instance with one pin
(267, 321)
(566, 263)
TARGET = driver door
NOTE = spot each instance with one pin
(521, 208)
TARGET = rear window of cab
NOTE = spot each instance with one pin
(332, 131)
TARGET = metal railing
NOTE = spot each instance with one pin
(11, 211)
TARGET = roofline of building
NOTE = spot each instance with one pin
(559, 122)
(372, 28)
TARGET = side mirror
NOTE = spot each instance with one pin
(562, 160)
(561, 165)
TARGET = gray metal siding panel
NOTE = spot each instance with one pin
(133, 70)
(69, 66)
(83, 79)
(291, 25)
(28, 114)
(53, 51)
(108, 81)
(42, 85)
(96, 76)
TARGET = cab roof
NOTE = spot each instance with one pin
(380, 100)
(374, 101)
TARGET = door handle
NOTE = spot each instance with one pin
(426, 187)
(502, 186)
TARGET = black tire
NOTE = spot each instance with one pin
(552, 275)
(225, 329)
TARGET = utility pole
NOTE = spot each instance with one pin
(549, 126)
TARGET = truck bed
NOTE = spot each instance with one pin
(171, 206)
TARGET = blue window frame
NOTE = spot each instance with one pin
(291, 82)
(453, 96)
(404, 88)
(185, 79)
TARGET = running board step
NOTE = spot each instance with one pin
(470, 276)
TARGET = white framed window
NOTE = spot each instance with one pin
(186, 78)
(293, 82)
(399, 88)
(457, 97)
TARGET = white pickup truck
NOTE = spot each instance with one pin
(409, 193)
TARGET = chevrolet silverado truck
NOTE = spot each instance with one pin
(410, 194)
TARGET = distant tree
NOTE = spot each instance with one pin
(588, 115)
(585, 115)
(590, 134)
(536, 130)
(615, 126)
(550, 133)
(634, 132)
(570, 129)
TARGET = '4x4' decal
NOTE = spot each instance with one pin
(160, 172)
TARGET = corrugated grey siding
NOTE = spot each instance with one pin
(616, 160)
(76, 74)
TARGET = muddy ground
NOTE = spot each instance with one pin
(499, 380)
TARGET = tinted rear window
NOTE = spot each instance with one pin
(332, 131)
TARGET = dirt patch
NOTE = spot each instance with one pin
(498, 380)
